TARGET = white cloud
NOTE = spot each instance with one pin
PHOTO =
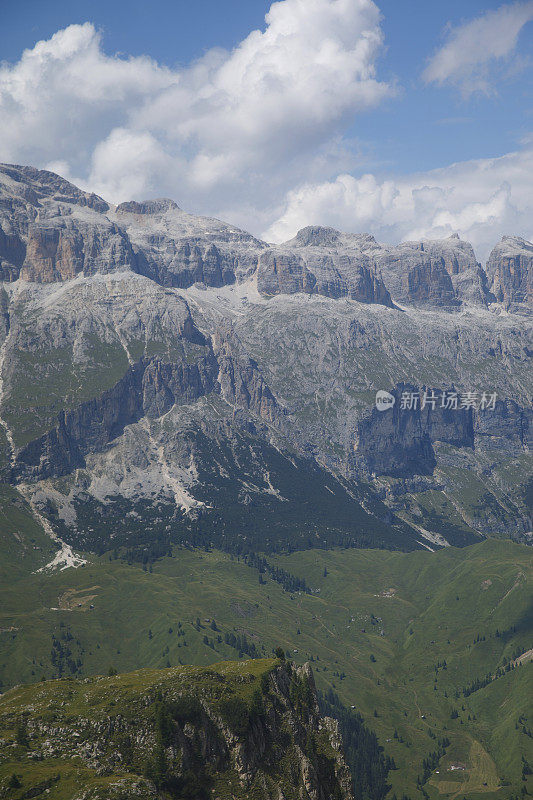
(473, 48)
(480, 200)
(233, 123)
(57, 101)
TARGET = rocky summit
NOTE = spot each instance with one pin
(234, 730)
(510, 266)
(168, 377)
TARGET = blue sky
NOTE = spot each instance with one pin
(412, 123)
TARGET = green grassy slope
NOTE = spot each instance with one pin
(24, 546)
(186, 732)
(376, 627)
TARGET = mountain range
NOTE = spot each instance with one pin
(177, 373)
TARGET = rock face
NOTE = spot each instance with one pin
(241, 382)
(150, 388)
(510, 267)
(33, 238)
(51, 231)
(60, 247)
(434, 273)
(187, 732)
(401, 442)
(178, 249)
(147, 354)
(319, 261)
(441, 273)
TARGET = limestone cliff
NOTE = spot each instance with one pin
(510, 267)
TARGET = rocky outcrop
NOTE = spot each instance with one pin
(60, 248)
(52, 231)
(433, 274)
(149, 388)
(319, 261)
(189, 732)
(92, 359)
(12, 254)
(36, 185)
(148, 207)
(187, 262)
(428, 283)
(178, 249)
(400, 442)
(510, 267)
(241, 382)
(439, 273)
(507, 430)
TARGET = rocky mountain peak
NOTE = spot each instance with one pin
(38, 185)
(432, 272)
(181, 730)
(91, 367)
(510, 268)
(149, 207)
(52, 231)
(315, 235)
(516, 240)
(321, 261)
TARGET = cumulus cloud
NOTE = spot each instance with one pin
(231, 122)
(480, 200)
(57, 101)
(472, 49)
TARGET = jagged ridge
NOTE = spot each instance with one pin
(231, 730)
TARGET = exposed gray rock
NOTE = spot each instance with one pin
(133, 330)
(401, 442)
(510, 267)
(507, 430)
(178, 249)
(149, 388)
(320, 261)
(241, 382)
(52, 231)
(59, 248)
(440, 273)
(158, 206)
(116, 730)
(36, 185)
(433, 273)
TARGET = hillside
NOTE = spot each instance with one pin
(235, 730)
(400, 636)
